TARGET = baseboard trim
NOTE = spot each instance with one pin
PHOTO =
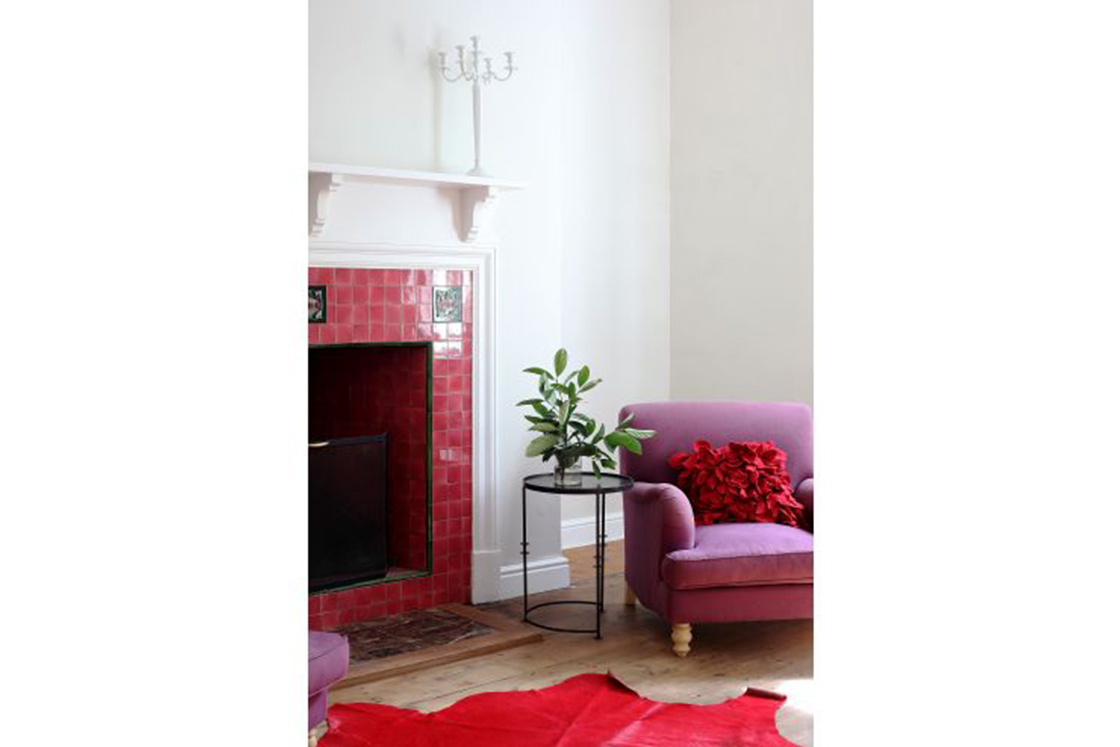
(580, 532)
(544, 575)
(485, 575)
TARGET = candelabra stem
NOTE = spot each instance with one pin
(476, 90)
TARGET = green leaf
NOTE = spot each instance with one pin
(586, 450)
(596, 468)
(538, 371)
(590, 385)
(626, 421)
(544, 427)
(527, 402)
(584, 375)
(624, 439)
(640, 434)
(581, 417)
(564, 408)
(541, 444)
(560, 361)
(571, 391)
(543, 411)
(599, 436)
(534, 419)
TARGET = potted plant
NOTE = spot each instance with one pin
(567, 435)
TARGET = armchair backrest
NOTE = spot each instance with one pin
(680, 424)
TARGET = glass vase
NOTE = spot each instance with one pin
(567, 473)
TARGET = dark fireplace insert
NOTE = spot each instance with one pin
(348, 511)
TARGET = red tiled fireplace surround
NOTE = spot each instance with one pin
(396, 306)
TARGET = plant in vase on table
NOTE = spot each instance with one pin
(567, 435)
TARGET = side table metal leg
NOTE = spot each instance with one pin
(603, 571)
(524, 558)
(599, 552)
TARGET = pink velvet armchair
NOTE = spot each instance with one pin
(722, 572)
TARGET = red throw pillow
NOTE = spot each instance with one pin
(742, 481)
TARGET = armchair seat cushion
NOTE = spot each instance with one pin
(753, 554)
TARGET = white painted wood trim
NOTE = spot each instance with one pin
(321, 187)
(545, 574)
(580, 531)
(410, 178)
(485, 569)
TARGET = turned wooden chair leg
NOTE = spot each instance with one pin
(682, 637)
(631, 600)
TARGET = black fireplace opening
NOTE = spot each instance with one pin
(348, 511)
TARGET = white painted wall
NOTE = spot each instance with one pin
(741, 258)
(585, 122)
(616, 207)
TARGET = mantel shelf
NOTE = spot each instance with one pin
(413, 178)
(476, 194)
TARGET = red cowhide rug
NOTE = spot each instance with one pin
(588, 710)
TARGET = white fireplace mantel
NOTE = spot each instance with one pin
(472, 198)
(371, 217)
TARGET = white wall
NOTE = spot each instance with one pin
(741, 257)
(616, 205)
(584, 120)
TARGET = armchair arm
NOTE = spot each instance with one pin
(804, 496)
(658, 520)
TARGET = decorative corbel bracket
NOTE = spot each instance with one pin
(320, 187)
(476, 209)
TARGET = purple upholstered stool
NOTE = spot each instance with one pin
(328, 657)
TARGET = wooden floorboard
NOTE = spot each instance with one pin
(725, 659)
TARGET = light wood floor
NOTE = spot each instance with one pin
(725, 658)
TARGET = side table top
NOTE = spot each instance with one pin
(589, 484)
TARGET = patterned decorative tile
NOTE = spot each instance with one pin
(316, 304)
(447, 304)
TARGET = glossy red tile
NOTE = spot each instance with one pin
(320, 276)
(392, 306)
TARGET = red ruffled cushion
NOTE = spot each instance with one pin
(742, 481)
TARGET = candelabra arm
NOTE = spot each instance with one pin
(509, 69)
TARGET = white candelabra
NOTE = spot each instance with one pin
(476, 69)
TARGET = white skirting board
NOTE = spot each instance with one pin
(580, 531)
(544, 575)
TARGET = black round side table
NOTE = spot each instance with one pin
(600, 487)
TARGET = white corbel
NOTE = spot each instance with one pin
(320, 187)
